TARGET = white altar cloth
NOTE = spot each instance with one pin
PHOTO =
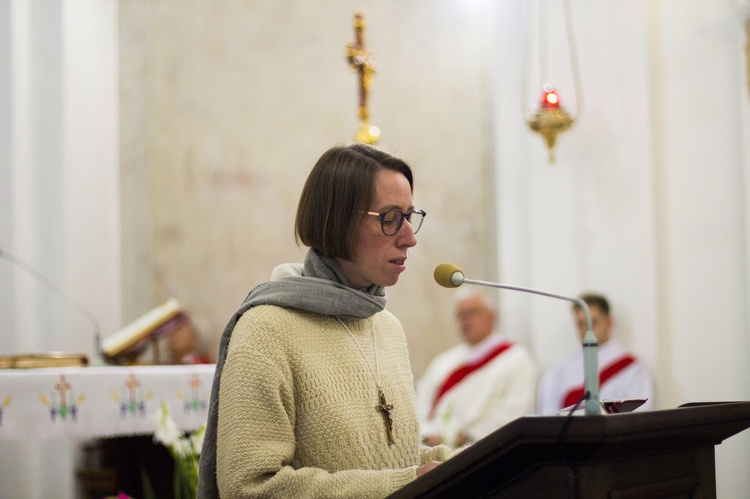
(85, 402)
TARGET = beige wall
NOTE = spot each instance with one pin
(225, 107)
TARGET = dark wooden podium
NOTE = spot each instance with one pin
(655, 454)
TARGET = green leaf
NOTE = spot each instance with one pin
(148, 488)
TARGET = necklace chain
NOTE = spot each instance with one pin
(383, 406)
(376, 372)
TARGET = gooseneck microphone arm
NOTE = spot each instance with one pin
(59, 292)
(450, 276)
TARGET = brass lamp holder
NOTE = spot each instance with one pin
(550, 120)
(549, 123)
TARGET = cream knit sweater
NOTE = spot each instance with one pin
(297, 409)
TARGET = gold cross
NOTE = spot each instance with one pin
(132, 384)
(386, 408)
(195, 384)
(62, 387)
(364, 64)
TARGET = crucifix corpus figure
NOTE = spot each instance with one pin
(386, 409)
(364, 64)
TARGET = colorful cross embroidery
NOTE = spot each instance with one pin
(132, 401)
(63, 405)
(195, 403)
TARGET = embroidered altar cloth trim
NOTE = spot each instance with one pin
(87, 402)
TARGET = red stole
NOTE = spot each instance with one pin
(575, 394)
(464, 370)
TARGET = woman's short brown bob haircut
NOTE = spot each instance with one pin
(337, 193)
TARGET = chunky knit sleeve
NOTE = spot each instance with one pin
(281, 435)
(437, 453)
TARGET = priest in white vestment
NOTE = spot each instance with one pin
(474, 388)
(621, 375)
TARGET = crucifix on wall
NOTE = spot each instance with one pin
(364, 64)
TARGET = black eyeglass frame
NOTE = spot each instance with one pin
(401, 217)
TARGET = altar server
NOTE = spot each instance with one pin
(621, 375)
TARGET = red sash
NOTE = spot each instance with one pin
(465, 369)
(575, 394)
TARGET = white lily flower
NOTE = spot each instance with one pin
(184, 450)
(167, 432)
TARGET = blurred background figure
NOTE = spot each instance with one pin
(475, 387)
(185, 346)
(621, 376)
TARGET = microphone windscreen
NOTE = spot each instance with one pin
(443, 274)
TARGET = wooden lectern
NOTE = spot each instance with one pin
(650, 454)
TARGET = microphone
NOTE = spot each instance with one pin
(450, 276)
(59, 292)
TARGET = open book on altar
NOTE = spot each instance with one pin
(49, 359)
(133, 338)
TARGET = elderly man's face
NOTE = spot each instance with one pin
(475, 319)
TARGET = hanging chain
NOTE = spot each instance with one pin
(573, 59)
(375, 373)
(567, 14)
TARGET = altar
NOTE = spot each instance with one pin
(94, 402)
(96, 425)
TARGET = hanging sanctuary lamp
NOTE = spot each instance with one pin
(548, 117)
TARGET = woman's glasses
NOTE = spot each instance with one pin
(392, 220)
